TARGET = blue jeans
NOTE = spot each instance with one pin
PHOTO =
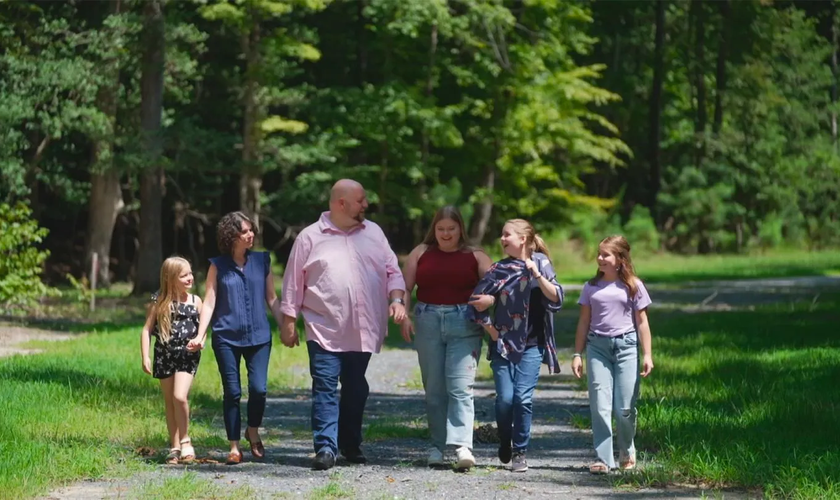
(515, 384)
(337, 424)
(448, 348)
(228, 358)
(612, 372)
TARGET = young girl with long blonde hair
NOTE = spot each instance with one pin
(613, 327)
(173, 321)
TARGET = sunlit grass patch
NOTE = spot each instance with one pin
(189, 485)
(82, 409)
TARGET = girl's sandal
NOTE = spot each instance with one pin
(599, 468)
(187, 451)
(173, 456)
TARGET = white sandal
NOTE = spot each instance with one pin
(187, 451)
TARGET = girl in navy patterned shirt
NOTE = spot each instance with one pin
(524, 289)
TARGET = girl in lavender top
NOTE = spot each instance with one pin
(613, 325)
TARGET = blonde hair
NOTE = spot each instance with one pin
(617, 245)
(533, 241)
(169, 294)
(452, 213)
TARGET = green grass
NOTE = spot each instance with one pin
(330, 491)
(189, 485)
(572, 267)
(747, 399)
(81, 409)
(396, 428)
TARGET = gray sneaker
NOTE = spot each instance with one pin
(519, 463)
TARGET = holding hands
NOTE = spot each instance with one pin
(195, 345)
(288, 334)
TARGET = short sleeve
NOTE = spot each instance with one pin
(585, 294)
(267, 262)
(642, 299)
(153, 298)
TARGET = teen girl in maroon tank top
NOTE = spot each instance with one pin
(448, 344)
(446, 278)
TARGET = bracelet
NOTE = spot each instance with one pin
(575, 355)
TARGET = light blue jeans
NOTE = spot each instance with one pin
(613, 375)
(448, 348)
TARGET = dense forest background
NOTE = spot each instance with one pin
(129, 127)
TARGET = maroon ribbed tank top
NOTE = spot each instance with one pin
(446, 278)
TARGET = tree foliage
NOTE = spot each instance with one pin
(691, 125)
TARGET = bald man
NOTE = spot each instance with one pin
(343, 277)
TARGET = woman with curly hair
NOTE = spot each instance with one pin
(239, 287)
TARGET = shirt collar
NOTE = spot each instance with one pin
(326, 225)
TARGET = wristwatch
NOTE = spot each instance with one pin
(398, 301)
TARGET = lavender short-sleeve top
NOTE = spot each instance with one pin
(612, 308)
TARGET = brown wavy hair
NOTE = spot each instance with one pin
(533, 241)
(169, 294)
(618, 245)
(447, 212)
(229, 228)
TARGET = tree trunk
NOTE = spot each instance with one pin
(383, 179)
(424, 138)
(105, 204)
(106, 199)
(484, 208)
(250, 182)
(700, 78)
(720, 71)
(361, 42)
(834, 71)
(150, 252)
(656, 109)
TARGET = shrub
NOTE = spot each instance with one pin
(20, 259)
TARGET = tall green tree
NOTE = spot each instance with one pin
(150, 256)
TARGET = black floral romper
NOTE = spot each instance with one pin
(173, 356)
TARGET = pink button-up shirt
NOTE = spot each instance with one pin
(340, 281)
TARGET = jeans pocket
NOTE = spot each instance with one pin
(631, 339)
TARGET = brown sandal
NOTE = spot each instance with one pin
(187, 451)
(173, 456)
(233, 458)
(257, 448)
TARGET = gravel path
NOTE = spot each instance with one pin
(12, 336)
(396, 469)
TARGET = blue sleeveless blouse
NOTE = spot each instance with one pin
(239, 318)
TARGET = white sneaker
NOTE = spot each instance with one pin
(466, 459)
(435, 457)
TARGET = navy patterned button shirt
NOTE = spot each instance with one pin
(510, 282)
